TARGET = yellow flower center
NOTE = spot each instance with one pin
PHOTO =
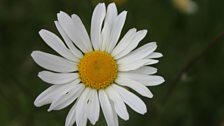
(97, 69)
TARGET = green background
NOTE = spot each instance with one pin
(195, 99)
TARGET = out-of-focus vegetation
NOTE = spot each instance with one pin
(196, 98)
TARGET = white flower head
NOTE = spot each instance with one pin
(95, 72)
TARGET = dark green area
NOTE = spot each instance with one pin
(197, 100)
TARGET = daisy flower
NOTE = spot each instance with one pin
(96, 72)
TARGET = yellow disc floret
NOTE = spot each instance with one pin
(97, 69)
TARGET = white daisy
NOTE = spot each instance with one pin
(97, 71)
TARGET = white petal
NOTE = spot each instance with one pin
(93, 107)
(106, 32)
(124, 42)
(81, 108)
(80, 26)
(155, 55)
(134, 65)
(96, 25)
(139, 53)
(151, 61)
(152, 81)
(134, 76)
(136, 86)
(106, 108)
(52, 62)
(145, 70)
(132, 44)
(148, 80)
(71, 30)
(116, 123)
(70, 119)
(47, 96)
(68, 41)
(67, 98)
(119, 106)
(50, 94)
(131, 100)
(116, 30)
(57, 78)
(56, 43)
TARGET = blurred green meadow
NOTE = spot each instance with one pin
(194, 89)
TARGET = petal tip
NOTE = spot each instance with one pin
(41, 32)
(62, 12)
(163, 80)
(36, 103)
(33, 54)
(144, 31)
(112, 3)
(40, 74)
(50, 109)
(153, 43)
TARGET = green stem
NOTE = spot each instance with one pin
(189, 65)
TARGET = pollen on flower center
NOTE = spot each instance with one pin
(97, 69)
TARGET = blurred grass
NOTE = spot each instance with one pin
(196, 101)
